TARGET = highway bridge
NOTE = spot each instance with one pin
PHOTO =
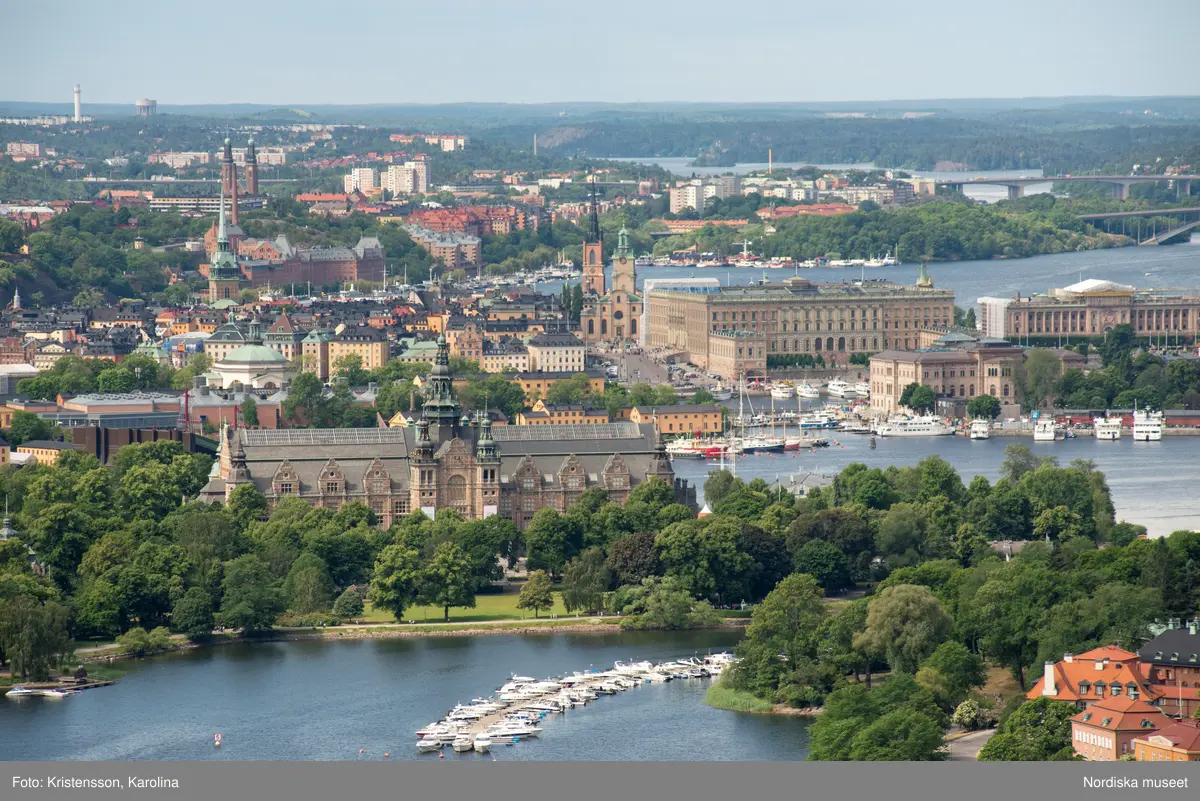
(1120, 183)
(172, 181)
(1178, 223)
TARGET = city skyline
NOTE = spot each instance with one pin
(931, 50)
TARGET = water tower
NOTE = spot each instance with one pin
(146, 107)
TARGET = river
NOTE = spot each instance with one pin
(316, 700)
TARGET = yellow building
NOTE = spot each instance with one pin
(1179, 741)
(369, 344)
(540, 383)
(43, 450)
(704, 418)
(544, 413)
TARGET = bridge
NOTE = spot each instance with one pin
(172, 181)
(1175, 227)
(1120, 183)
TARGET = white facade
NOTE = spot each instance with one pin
(362, 178)
(992, 314)
(688, 196)
(665, 283)
(407, 178)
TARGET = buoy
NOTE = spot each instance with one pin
(387, 756)
(362, 750)
(441, 756)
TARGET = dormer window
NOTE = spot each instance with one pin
(1116, 689)
(1175, 656)
(1158, 654)
(1105, 722)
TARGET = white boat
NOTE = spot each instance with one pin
(862, 388)
(839, 388)
(1147, 426)
(807, 390)
(817, 420)
(427, 745)
(925, 426)
(721, 393)
(53, 693)
(761, 444)
(782, 391)
(463, 743)
(981, 429)
(483, 744)
(1108, 428)
(1043, 430)
(19, 691)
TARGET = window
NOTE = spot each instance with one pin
(287, 488)
(400, 507)
(333, 487)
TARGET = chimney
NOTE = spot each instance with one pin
(1101, 664)
(1068, 658)
(1048, 687)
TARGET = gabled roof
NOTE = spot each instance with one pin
(1121, 713)
(1075, 680)
(1182, 734)
(1178, 646)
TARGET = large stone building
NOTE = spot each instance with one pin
(740, 330)
(609, 314)
(447, 461)
(1094, 307)
(957, 368)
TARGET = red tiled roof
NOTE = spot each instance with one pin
(1183, 734)
(1122, 713)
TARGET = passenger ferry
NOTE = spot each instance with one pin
(1147, 426)
(807, 390)
(981, 429)
(863, 388)
(926, 426)
(839, 388)
(1107, 427)
(1043, 430)
(781, 391)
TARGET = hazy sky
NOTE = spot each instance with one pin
(295, 52)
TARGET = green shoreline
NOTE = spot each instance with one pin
(722, 697)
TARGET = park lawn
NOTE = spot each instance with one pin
(487, 607)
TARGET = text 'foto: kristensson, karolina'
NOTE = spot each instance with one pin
(1130, 782)
(78, 783)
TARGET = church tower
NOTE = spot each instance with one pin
(251, 169)
(624, 272)
(224, 274)
(441, 411)
(487, 457)
(593, 250)
(229, 185)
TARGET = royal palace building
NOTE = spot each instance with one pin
(744, 330)
(448, 460)
(1094, 307)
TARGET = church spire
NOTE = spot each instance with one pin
(593, 233)
(222, 234)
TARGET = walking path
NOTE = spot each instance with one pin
(967, 747)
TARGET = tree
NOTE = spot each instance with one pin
(250, 412)
(718, 485)
(707, 557)
(1041, 373)
(634, 557)
(665, 604)
(247, 504)
(906, 624)
(917, 397)
(1039, 730)
(966, 715)
(192, 614)
(536, 593)
(963, 670)
(900, 736)
(550, 540)
(251, 602)
(585, 580)
(447, 580)
(396, 580)
(983, 407)
(34, 637)
(27, 426)
(825, 563)
(898, 720)
(350, 368)
(308, 587)
(349, 604)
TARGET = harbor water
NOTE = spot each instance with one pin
(315, 700)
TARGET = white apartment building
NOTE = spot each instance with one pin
(556, 353)
(688, 196)
(361, 178)
(23, 149)
(407, 178)
(992, 315)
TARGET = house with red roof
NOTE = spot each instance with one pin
(1106, 729)
(1090, 677)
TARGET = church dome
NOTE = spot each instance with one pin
(254, 354)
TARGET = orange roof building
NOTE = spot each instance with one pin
(1177, 742)
(1105, 731)
(1092, 676)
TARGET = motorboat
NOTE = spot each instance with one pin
(817, 420)
(720, 393)
(924, 426)
(781, 391)
(1147, 426)
(854, 428)
(761, 444)
(1044, 430)
(807, 390)
(483, 744)
(52, 693)
(1108, 428)
(427, 745)
(862, 388)
(19, 691)
(839, 388)
(463, 743)
(981, 428)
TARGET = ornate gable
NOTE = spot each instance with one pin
(285, 481)
(454, 455)
(527, 475)
(376, 479)
(616, 474)
(331, 481)
(571, 475)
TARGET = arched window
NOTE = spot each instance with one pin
(817, 343)
(632, 325)
(1006, 390)
(962, 390)
(875, 342)
(591, 326)
(456, 494)
(952, 390)
(972, 390)
(603, 327)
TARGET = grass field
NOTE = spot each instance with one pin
(487, 607)
(723, 697)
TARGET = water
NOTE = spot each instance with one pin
(312, 700)
(1151, 482)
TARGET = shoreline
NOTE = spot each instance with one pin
(720, 697)
(388, 631)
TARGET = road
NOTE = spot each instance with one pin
(967, 747)
(642, 367)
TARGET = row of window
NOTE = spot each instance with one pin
(794, 314)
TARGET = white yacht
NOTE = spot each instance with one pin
(52, 693)
(1147, 426)
(721, 393)
(807, 390)
(780, 391)
(19, 692)
(839, 388)
(981, 428)
(926, 426)
(463, 743)
(1107, 427)
(1043, 430)
(862, 389)
(483, 744)
(427, 745)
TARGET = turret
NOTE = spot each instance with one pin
(441, 411)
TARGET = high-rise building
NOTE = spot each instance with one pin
(992, 313)
(362, 179)
(688, 196)
(78, 104)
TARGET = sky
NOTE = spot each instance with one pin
(297, 52)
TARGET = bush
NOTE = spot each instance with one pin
(967, 715)
(348, 604)
(313, 620)
(139, 642)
